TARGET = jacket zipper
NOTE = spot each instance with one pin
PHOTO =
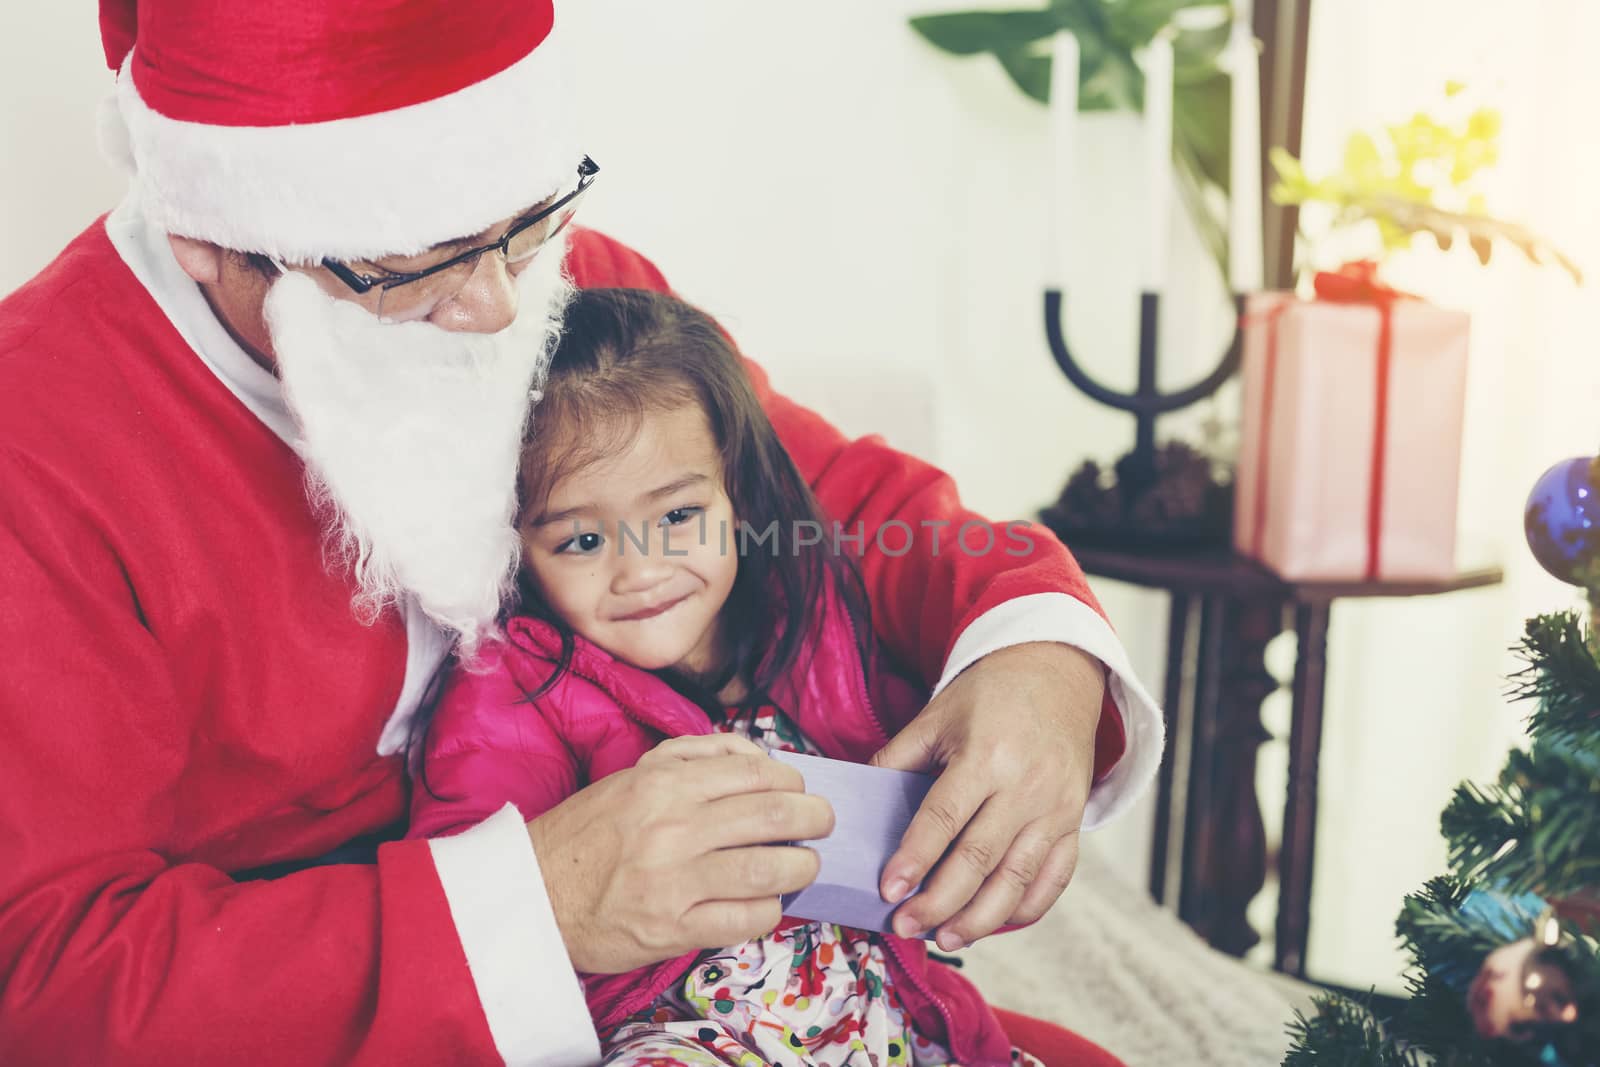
(950, 1030)
(859, 676)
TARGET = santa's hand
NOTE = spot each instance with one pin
(671, 856)
(1012, 740)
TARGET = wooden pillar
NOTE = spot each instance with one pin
(1283, 27)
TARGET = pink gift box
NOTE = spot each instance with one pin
(1346, 473)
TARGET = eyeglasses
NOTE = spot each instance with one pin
(404, 295)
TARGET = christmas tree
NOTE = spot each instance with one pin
(1505, 948)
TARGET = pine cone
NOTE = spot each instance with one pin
(1181, 491)
(1086, 502)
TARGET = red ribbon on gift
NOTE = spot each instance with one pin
(1354, 283)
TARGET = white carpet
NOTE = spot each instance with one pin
(1112, 966)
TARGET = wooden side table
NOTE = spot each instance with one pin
(1240, 607)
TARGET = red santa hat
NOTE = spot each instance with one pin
(344, 128)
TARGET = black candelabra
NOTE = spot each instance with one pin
(1166, 494)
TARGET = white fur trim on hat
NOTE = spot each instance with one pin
(391, 183)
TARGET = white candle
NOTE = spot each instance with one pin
(1063, 122)
(1157, 158)
(1244, 162)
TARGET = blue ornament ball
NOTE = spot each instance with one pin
(1562, 520)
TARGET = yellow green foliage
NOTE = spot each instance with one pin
(1417, 177)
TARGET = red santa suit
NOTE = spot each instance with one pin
(189, 694)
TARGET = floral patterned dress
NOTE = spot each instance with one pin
(808, 994)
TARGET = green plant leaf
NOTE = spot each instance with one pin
(1292, 181)
(1361, 159)
(1196, 54)
(1086, 18)
(967, 33)
(1108, 80)
(1029, 70)
(1484, 124)
(1285, 163)
(1133, 23)
(1200, 119)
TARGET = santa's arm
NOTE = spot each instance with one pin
(948, 586)
(116, 948)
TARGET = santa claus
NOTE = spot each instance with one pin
(261, 425)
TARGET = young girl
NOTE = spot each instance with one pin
(668, 589)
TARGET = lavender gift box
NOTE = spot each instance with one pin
(872, 807)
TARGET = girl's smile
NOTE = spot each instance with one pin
(650, 613)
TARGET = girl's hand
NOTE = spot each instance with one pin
(672, 855)
(1012, 740)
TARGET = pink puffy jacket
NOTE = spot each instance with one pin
(488, 745)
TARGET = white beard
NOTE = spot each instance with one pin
(411, 437)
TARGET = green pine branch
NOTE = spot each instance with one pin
(1444, 940)
(1483, 823)
(1563, 676)
(1446, 948)
(1436, 1021)
(1343, 1033)
(1536, 830)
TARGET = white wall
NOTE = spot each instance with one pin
(53, 181)
(859, 208)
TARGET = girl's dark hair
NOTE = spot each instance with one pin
(628, 353)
